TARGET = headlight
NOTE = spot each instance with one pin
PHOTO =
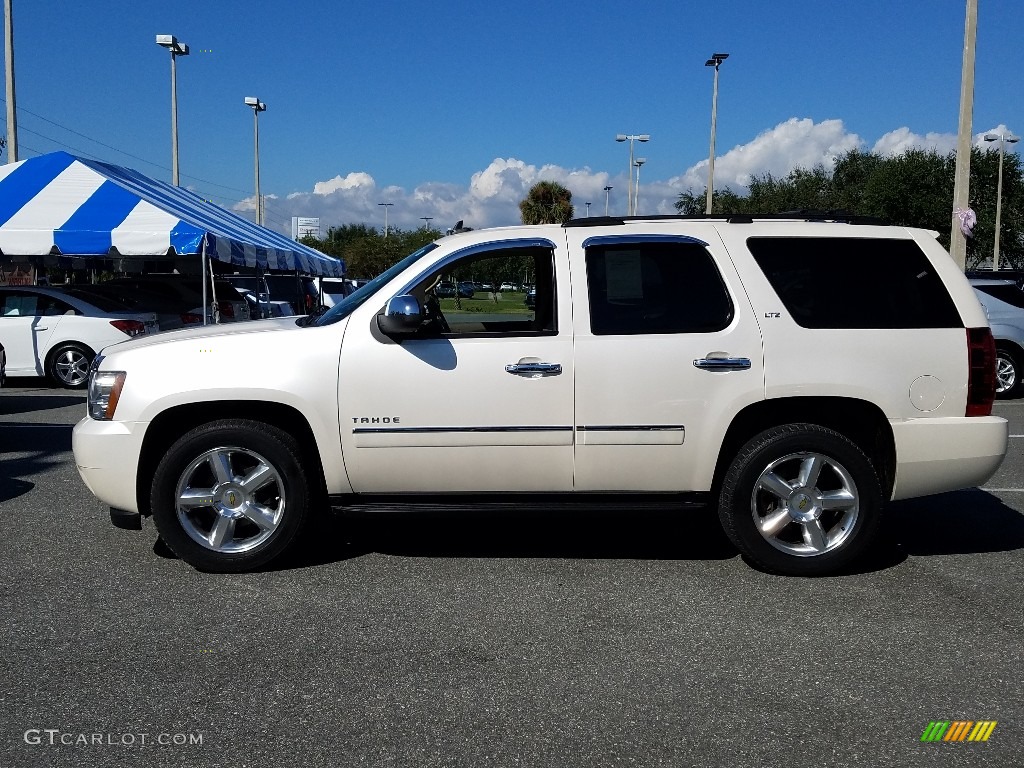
(104, 390)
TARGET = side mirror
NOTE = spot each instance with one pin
(402, 316)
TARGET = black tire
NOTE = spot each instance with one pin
(781, 482)
(1008, 373)
(68, 365)
(243, 525)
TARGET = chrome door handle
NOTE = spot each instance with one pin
(534, 370)
(723, 363)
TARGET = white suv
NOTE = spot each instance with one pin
(756, 364)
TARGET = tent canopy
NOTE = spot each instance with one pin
(62, 204)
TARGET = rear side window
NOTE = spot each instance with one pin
(1008, 293)
(847, 282)
(655, 286)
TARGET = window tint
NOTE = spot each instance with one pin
(17, 304)
(1009, 293)
(518, 298)
(835, 282)
(655, 287)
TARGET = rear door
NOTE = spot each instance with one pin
(667, 351)
(27, 321)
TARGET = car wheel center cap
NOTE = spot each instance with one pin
(232, 499)
(803, 506)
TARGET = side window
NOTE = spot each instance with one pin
(504, 292)
(847, 282)
(18, 304)
(50, 306)
(655, 287)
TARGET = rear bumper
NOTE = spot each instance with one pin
(947, 454)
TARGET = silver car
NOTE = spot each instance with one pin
(1003, 301)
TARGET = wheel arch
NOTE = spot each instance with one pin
(171, 424)
(861, 421)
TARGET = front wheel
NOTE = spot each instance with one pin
(68, 365)
(231, 496)
(801, 499)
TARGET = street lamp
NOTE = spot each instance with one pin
(171, 43)
(715, 61)
(386, 206)
(636, 195)
(426, 221)
(629, 174)
(606, 191)
(588, 210)
(257, 107)
(1003, 139)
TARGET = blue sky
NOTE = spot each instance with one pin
(453, 109)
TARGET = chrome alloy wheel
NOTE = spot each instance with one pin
(230, 500)
(1006, 373)
(72, 367)
(805, 504)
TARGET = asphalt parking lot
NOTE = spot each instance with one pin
(523, 639)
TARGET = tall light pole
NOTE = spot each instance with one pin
(962, 172)
(607, 190)
(636, 195)
(588, 210)
(171, 43)
(426, 221)
(386, 206)
(257, 107)
(1003, 139)
(12, 113)
(629, 171)
(715, 61)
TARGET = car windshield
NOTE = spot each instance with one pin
(350, 303)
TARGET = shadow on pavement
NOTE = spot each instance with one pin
(962, 522)
(12, 488)
(11, 403)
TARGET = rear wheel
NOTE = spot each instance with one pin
(68, 365)
(231, 496)
(801, 499)
(1007, 373)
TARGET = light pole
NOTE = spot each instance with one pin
(426, 221)
(962, 170)
(171, 43)
(715, 61)
(1003, 139)
(386, 206)
(257, 107)
(12, 112)
(636, 194)
(629, 174)
(588, 210)
(607, 190)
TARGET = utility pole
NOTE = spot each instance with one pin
(962, 178)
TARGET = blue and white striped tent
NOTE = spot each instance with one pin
(59, 204)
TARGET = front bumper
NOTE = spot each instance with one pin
(947, 454)
(107, 456)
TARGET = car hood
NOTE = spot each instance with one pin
(224, 330)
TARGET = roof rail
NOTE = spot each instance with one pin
(842, 217)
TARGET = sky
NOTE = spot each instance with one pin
(452, 110)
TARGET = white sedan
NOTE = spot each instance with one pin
(46, 332)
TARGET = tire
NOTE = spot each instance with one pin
(231, 496)
(775, 493)
(1007, 374)
(68, 365)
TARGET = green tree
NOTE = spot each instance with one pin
(547, 202)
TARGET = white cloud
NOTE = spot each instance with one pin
(491, 196)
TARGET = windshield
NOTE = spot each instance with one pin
(350, 303)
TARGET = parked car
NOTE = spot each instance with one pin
(758, 365)
(229, 306)
(46, 332)
(1003, 301)
(334, 289)
(171, 312)
(286, 294)
(531, 298)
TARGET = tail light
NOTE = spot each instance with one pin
(134, 327)
(310, 303)
(189, 318)
(981, 380)
(226, 308)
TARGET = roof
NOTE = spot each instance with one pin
(62, 204)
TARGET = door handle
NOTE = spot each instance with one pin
(534, 370)
(723, 363)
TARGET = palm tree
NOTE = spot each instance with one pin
(547, 202)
